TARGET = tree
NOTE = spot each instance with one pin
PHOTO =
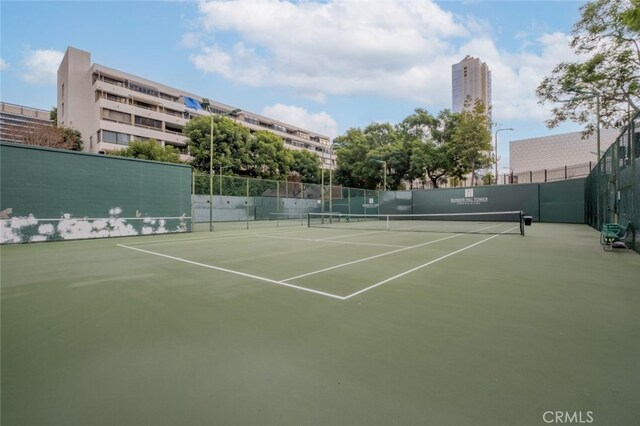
(268, 157)
(471, 142)
(149, 150)
(53, 116)
(230, 144)
(360, 154)
(430, 137)
(306, 165)
(607, 35)
(50, 137)
(420, 147)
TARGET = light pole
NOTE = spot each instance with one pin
(496, 145)
(384, 168)
(206, 105)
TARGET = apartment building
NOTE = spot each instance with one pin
(18, 120)
(470, 78)
(111, 108)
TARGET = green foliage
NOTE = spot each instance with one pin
(471, 142)
(71, 138)
(268, 157)
(306, 165)
(420, 147)
(431, 139)
(607, 36)
(236, 150)
(53, 116)
(355, 153)
(230, 144)
(149, 150)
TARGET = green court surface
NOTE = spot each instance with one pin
(305, 326)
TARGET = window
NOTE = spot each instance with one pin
(116, 98)
(144, 105)
(148, 122)
(112, 81)
(115, 137)
(250, 119)
(117, 116)
(141, 88)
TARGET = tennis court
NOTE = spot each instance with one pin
(342, 326)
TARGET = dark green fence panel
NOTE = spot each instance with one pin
(563, 201)
(478, 199)
(52, 194)
(396, 202)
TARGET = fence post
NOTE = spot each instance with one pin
(565, 172)
(545, 175)
(530, 176)
(247, 180)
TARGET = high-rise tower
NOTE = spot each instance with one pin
(470, 79)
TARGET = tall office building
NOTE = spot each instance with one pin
(470, 79)
(111, 108)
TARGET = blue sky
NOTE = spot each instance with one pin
(324, 65)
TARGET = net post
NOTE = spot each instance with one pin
(308, 220)
(387, 219)
(521, 223)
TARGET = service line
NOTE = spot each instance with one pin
(230, 271)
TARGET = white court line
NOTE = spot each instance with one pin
(324, 240)
(256, 277)
(381, 255)
(352, 235)
(422, 266)
(322, 293)
(213, 238)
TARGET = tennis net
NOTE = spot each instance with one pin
(511, 222)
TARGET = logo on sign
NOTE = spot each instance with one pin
(469, 199)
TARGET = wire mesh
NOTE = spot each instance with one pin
(240, 202)
(613, 186)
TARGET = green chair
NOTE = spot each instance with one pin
(613, 235)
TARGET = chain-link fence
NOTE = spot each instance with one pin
(222, 202)
(613, 187)
(548, 175)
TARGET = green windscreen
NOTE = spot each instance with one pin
(58, 195)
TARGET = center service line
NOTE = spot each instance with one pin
(423, 265)
(378, 255)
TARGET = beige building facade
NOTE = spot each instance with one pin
(470, 79)
(557, 157)
(17, 120)
(111, 108)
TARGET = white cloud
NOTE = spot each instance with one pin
(3, 65)
(41, 66)
(318, 122)
(395, 49)
(337, 47)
